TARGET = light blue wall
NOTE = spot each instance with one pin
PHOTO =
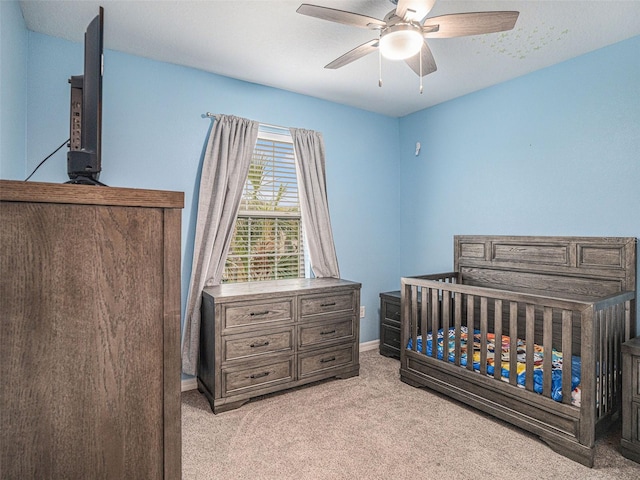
(13, 91)
(556, 152)
(551, 153)
(154, 134)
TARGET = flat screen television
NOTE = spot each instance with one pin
(84, 157)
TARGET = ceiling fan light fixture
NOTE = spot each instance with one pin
(401, 41)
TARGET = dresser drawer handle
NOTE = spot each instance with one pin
(263, 344)
(328, 304)
(258, 375)
(327, 360)
(328, 333)
(255, 314)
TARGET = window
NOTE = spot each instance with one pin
(267, 242)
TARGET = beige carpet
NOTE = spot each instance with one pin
(372, 427)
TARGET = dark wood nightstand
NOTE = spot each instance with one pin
(630, 442)
(390, 324)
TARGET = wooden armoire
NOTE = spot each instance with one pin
(89, 332)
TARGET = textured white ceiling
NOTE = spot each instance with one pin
(267, 42)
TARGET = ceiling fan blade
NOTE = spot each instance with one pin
(340, 16)
(414, 10)
(355, 54)
(428, 62)
(461, 24)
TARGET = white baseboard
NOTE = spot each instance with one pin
(189, 384)
(192, 383)
(372, 345)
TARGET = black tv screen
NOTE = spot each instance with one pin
(84, 157)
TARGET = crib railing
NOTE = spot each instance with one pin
(592, 331)
(612, 327)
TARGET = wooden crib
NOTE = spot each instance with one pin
(525, 297)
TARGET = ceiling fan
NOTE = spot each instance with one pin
(403, 33)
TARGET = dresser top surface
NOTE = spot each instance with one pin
(286, 286)
(393, 294)
(39, 192)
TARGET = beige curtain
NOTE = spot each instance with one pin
(312, 185)
(224, 171)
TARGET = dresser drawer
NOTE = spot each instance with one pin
(249, 345)
(326, 332)
(319, 304)
(326, 359)
(391, 311)
(390, 335)
(635, 425)
(257, 313)
(241, 379)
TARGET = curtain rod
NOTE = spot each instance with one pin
(277, 127)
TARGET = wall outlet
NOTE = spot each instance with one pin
(362, 311)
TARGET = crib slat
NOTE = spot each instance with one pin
(598, 336)
(470, 322)
(424, 314)
(530, 320)
(567, 356)
(615, 354)
(603, 359)
(547, 344)
(483, 335)
(446, 312)
(627, 320)
(497, 350)
(457, 307)
(606, 368)
(513, 343)
(620, 316)
(435, 314)
(414, 317)
(603, 381)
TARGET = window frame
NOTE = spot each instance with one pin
(271, 134)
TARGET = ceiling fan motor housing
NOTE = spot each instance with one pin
(401, 40)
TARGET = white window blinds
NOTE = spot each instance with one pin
(268, 239)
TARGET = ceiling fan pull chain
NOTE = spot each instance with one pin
(379, 66)
(420, 53)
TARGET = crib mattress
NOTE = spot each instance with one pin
(557, 360)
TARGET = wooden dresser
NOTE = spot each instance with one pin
(262, 337)
(630, 441)
(90, 332)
